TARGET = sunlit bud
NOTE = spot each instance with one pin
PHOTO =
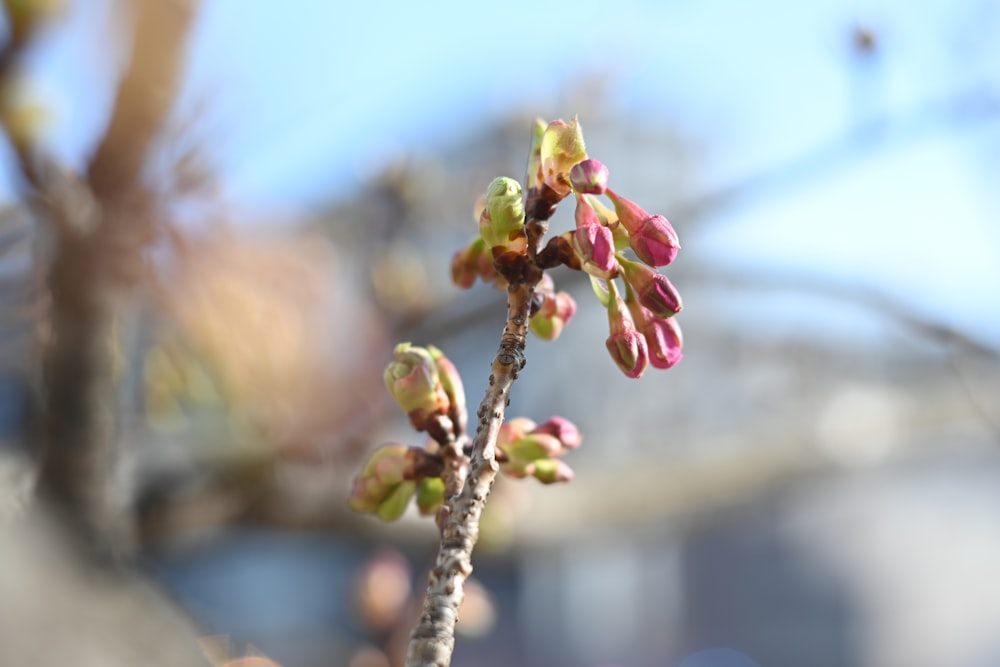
(550, 471)
(465, 264)
(563, 430)
(413, 380)
(453, 389)
(626, 345)
(502, 221)
(555, 312)
(430, 495)
(534, 170)
(562, 147)
(662, 334)
(593, 242)
(653, 289)
(589, 177)
(651, 236)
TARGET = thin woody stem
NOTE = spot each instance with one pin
(433, 639)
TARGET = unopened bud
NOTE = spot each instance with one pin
(589, 177)
(651, 236)
(430, 495)
(626, 345)
(654, 290)
(562, 147)
(563, 430)
(551, 471)
(413, 380)
(451, 381)
(502, 222)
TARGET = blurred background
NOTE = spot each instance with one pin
(816, 483)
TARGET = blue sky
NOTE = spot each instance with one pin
(302, 101)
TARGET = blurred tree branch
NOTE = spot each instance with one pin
(100, 224)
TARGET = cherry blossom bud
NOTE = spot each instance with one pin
(563, 430)
(589, 177)
(593, 242)
(465, 264)
(382, 489)
(430, 495)
(562, 147)
(555, 312)
(415, 384)
(502, 221)
(651, 236)
(551, 471)
(626, 345)
(534, 170)
(451, 381)
(662, 334)
(653, 289)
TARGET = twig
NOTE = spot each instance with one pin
(433, 640)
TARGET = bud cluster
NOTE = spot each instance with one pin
(427, 386)
(642, 329)
(527, 449)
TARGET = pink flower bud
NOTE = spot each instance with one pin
(626, 345)
(593, 242)
(589, 177)
(651, 236)
(663, 336)
(653, 289)
(563, 430)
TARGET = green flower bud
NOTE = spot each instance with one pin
(562, 148)
(393, 505)
(502, 222)
(430, 495)
(550, 471)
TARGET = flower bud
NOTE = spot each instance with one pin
(589, 177)
(534, 446)
(593, 242)
(382, 489)
(413, 380)
(562, 429)
(555, 312)
(561, 148)
(502, 221)
(430, 495)
(550, 471)
(534, 170)
(451, 381)
(626, 345)
(651, 236)
(653, 289)
(662, 334)
(465, 263)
